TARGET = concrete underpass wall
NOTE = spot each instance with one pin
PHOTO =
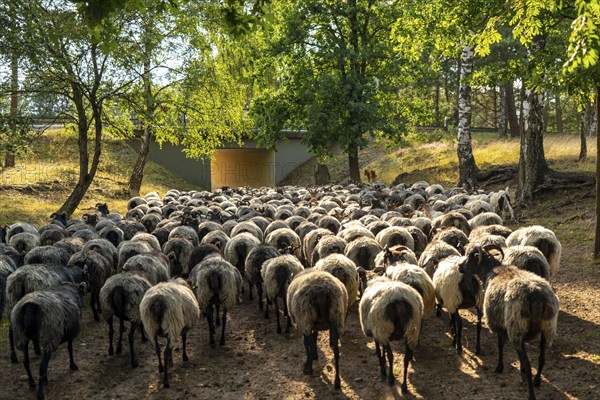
(289, 155)
(242, 167)
(233, 165)
(172, 158)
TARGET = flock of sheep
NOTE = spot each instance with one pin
(403, 253)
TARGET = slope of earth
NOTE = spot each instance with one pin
(45, 176)
(257, 363)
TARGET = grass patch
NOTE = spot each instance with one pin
(45, 176)
(437, 161)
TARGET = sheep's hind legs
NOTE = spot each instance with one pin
(334, 343)
(541, 360)
(500, 366)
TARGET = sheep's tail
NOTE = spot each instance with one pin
(540, 313)
(157, 308)
(399, 313)
(551, 251)
(241, 251)
(29, 324)
(323, 308)
(214, 283)
(119, 301)
(363, 257)
(281, 277)
(113, 237)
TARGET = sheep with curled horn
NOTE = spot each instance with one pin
(169, 309)
(318, 301)
(542, 238)
(519, 306)
(48, 317)
(394, 254)
(277, 274)
(391, 311)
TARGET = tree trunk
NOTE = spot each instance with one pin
(502, 127)
(466, 162)
(559, 118)
(137, 175)
(322, 176)
(437, 101)
(597, 238)
(593, 119)
(86, 173)
(532, 162)
(353, 162)
(9, 157)
(582, 134)
(511, 111)
(521, 99)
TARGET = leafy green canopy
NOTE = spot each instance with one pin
(331, 68)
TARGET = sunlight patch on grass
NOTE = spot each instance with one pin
(45, 176)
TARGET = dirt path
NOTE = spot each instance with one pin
(256, 363)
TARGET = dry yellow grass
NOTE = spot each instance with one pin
(44, 178)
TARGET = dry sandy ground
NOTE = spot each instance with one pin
(257, 363)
